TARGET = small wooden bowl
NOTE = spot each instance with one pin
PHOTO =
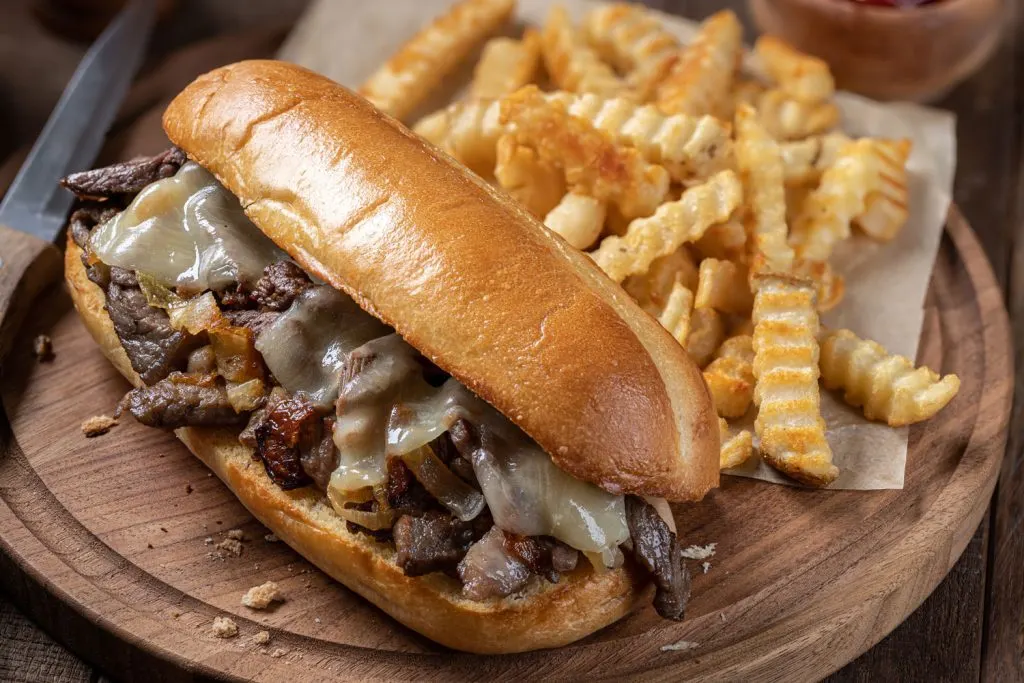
(889, 53)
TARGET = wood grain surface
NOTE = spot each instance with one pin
(122, 530)
(942, 640)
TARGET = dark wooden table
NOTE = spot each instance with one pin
(972, 627)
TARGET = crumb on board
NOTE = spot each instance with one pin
(224, 627)
(188, 489)
(208, 540)
(278, 652)
(236, 534)
(706, 567)
(699, 552)
(98, 425)
(317, 620)
(271, 538)
(260, 597)
(42, 347)
(175, 613)
(261, 638)
(230, 546)
(680, 646)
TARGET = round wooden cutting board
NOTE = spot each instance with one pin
(110, 543)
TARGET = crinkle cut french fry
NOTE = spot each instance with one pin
(676, 316)
(885, 385)
(700, 81)
(805, 160)
(536, 185)
(788, 119)
(730, 376)
(707, 330)
(468, 131)
(406, 79)
(689, 147)
(887, 208)
(506, 65)
(594, 165)
(653, 289)
(723, 285)
(789, 421)
(826, 214)
(673, 224)
(830, 286)
(744, 91)
(634, 41)
(760, 164)
(726, 240)
(571, 63)
(736, 449)
(801, 76)
(578, 219)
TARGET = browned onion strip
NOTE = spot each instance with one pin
(463, 500)
(374, 520)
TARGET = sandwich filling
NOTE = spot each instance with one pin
(226, 331)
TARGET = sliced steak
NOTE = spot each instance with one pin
(489, 570)
(321, 459)
(287, 426)
(86, 217)
(540, 554)
(280, 284)
(404, 491)
(153, 346)
(182, 400)
(257, 321)
(657, 549)
(126, 178)
(434, 541)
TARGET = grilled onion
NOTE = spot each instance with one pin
(375, 520)
(463, 500)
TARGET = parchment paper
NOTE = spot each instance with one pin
(885, 284)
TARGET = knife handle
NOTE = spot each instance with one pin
(27, 266)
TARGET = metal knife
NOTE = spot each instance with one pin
(34, 211)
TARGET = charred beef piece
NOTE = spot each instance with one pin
(321, 458)
(541, 554)
(86, 217)
(182, 400)
(153, 346)
(381, 535)
(489, 570)
(126, 178)
(280, 284)
(434, 541)
(405, 493)
(279, 433)
(257, 321)
(657, 549)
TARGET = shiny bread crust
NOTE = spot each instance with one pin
(544, 615)
(460, 271)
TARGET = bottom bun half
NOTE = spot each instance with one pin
(544, 615)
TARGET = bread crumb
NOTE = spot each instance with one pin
(706, 566)
(260, 597)
(722, 614)
(188, 489)
(699, 552)
(175, 613)
(97, 425)
(271, 538)
(317, 620)
(223, 627)
(230, 546)
(236, 535)
(681, 645)
(208, 540)
(261, 638)
(42, 347)
(278, 652)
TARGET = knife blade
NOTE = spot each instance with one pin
(74, 133)
(35, 208)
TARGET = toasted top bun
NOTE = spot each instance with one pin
(460, 271)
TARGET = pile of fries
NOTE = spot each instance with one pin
(714, 195)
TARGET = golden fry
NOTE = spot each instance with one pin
(730, 376)
(760, 164)
(673, 224)
(506, 65)
(805, 160)
(634, 41)
(736, 449)
(726, 240)
(536, 185)
(578, 219)
(468, 131)
(653, 289)
(801, 76)
(571, 63)
(406, 79)
(788, 119)
(825, 216)
(678, 310)
(723, 285)
(707, 331)
(789, 421)
(593, 164)
(701, 80)
(690, 147)
(887, 208)
(887, 386)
